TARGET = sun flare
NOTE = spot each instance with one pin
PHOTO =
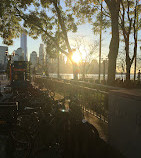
(76, 57)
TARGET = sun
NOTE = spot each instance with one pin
(76, 57)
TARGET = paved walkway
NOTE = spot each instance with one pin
(101, 126)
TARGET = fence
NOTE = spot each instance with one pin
(92, 100)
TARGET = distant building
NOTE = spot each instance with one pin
(41, 55)
(3, 58)
(19, 55)
(24, 45)
(33, 59)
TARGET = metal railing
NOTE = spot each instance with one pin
(92, 100)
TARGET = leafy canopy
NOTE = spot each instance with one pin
(10, 23)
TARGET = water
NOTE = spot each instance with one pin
(93, 76)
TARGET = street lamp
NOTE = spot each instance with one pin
(104, 68)
(58, 40)
(100, 39)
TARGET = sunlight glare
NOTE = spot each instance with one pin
(76, 57)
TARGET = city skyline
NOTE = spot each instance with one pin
(3, 59)
(32, 45)
(84, 30)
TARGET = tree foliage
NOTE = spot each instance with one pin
(45, 19)
(53, 20)
(39, 17)
(129, 17)
(10, 23)
(92, 8)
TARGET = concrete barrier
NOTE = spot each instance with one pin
(125, 121)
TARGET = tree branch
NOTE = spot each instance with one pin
(129, 19)
(38, 26)
(62, 24)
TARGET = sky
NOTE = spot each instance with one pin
(84, 31)
(32, 45)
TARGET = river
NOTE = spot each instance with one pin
(93, 76)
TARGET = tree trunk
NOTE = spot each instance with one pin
(113, 48)
(111, 69)
(128, 67)
(128, 64)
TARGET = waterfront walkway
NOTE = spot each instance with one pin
(101, 126)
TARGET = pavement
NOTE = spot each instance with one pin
(101, 126)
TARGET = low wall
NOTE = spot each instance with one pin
(125, 121)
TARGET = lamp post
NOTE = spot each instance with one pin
(58, 64)
(100, 38)
(104, 68)
(137, 21)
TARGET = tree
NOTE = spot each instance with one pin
(87, 50)
(87, 9)
(129, 25)
(44, 22)
(121, 63)
(41, 20)
(114, 8)
(10, 23)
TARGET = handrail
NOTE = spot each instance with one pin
(92, 100)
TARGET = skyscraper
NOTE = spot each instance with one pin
(41, 55)
(24, 45)
(33, 59)
(3, 59)
(19, 55)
